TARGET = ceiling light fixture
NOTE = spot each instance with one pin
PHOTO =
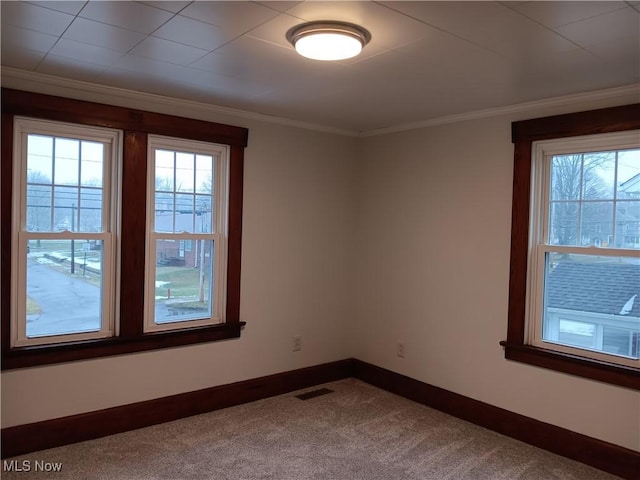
(328, 40)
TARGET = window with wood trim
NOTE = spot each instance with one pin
(575, 252)
(64, 235)
(187, 192)
(75, 179)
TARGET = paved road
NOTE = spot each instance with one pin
(68, 304)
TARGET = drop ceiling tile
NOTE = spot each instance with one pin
(605, 28)
(33, 17)
(128, 15)
(235, 18)
(279, 6)
(69, 68)
(275, 30)
(449, 16)
(103, 35)
(193, 32)
(555, 14)
(84, 52)
(264, 63)
(21, 58)
(148, 67)
(28, 39)
(443, 50)
(67, 7)
(167, 5)
(166, 51)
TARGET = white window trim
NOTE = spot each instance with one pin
(542, 151)
(19, 236)
(221, 159)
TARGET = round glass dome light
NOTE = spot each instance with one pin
(328, 40)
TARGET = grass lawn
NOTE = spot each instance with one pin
(183, 281)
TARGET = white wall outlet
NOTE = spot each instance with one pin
(400, 349)
(297, 343)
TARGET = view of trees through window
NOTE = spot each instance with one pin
(595, 199)
(593, 301)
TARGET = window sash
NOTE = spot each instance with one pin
(218, 231)
(21, 235)
(539, 239)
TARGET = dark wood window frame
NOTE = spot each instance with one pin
(136, 125)
(524, 133)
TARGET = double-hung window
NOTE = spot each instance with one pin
(121, 230)
(186, 249)
(574, 284)
(584, 274)
(64, 269)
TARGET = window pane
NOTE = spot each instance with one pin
(67, 153)
(90, 210)
(39, 159)
(586, 296)
(566, 174)
(598, 175)
(184, 172)
(63, 287)
(204, 174)
(563, 223)
(204, 216)
(629, 174)
(628, 225)
(91, 167)
(597, 224)
(183, 282)
(38, 208)
(180, 209)
(65, 202)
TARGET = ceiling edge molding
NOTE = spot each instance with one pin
(80, 90)
(53, 85)
(610, 93)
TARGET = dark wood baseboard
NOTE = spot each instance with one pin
(32, 437)
(599, 454)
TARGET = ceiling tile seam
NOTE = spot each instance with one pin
(552, 29)
(447, 32)
(44, 57)
(93, 88)
(508, 5)
(245, 33)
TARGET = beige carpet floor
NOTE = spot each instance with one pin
(356, 432)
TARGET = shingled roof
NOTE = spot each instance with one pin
(595, 287)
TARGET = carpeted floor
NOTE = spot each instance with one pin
(356, 432)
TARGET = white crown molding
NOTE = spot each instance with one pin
(609, 93)
(52, 85)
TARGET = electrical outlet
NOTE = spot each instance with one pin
(400, 349)
(297, 343)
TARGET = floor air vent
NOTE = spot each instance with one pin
(314, 393)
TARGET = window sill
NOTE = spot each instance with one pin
(623, 376)
(66, 352)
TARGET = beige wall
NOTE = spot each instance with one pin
(433, 270)
(356, 244)
(297, 223)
